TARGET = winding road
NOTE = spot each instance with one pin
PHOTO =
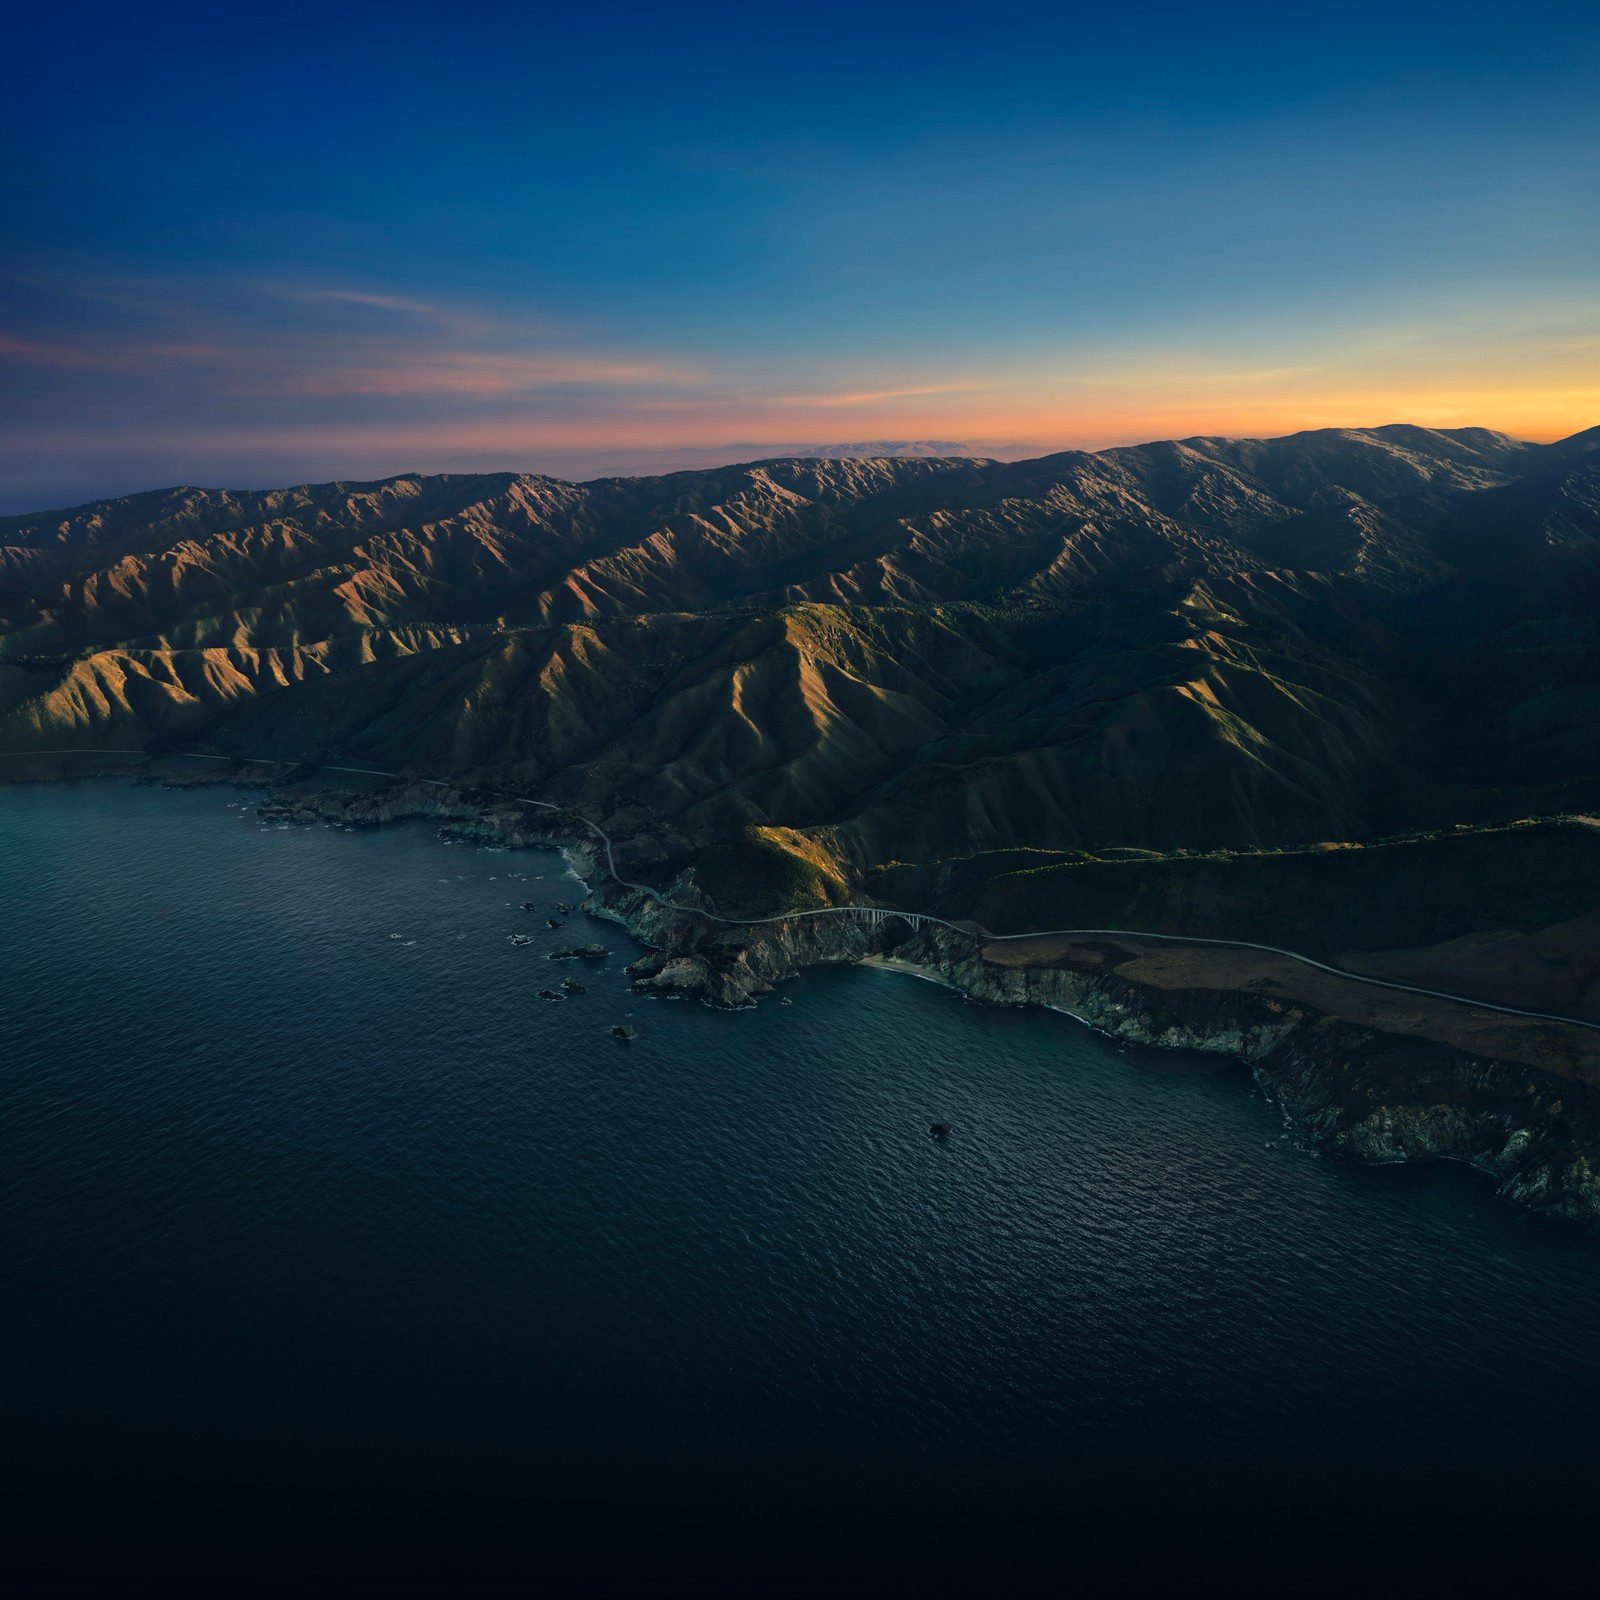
(915, 918)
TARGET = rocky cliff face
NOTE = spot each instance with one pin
(1365, 1093)
(1361, 1091)
(458, 812)
(1358, 1091)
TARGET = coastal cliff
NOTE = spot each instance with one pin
(1376, 1094)
(1365, 1073)
(1373, 1074)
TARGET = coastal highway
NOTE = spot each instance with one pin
(915, 918)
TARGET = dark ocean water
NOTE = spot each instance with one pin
(322, 1233)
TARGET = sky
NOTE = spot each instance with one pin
(257, 245)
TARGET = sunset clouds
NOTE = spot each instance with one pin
(256, 385)
(1081, 233)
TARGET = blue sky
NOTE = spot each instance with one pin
(253, 245)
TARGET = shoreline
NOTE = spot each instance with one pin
(1382, 1081)
(911, 970)
(298, 772)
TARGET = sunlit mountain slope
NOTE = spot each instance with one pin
(1190, 645)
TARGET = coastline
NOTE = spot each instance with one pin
(1379, 1078)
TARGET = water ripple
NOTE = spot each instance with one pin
(295, 1163)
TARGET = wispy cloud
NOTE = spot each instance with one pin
(274, 340)
(38, 353)
(117, 356)
(869, 396)
(383, 302)
(482, 373)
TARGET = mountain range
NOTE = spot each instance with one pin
(991, 688)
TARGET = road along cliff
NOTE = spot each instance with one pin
(1379, 1075)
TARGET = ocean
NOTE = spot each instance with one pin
(324, 1237)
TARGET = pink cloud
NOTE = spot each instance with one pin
(869, 397)
(105, 358)
(486, 373)
(306, 367)
(38, 354)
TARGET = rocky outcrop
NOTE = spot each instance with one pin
(458, 812)
(733, 967)
(1365, 1093)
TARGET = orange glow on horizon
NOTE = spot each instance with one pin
(1538, 416)
(469, 395)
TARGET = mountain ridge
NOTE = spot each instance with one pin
(1186, 645)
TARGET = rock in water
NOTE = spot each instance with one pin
(582, 952)
(940, 1130)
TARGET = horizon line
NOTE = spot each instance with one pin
(814, 452)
